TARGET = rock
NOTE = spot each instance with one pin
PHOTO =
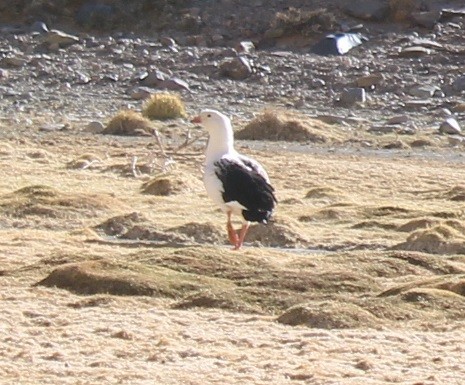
(245, 47)
(414, 52)
(153, 78)
(456, 140)
(424, 91)
(141, 93)
(450, 126)
(369, 81)
(352, 96)
(55, 39)
(337, 44)
(168, 42)
(95, 127)
(39, 27)
(426, 19)
(3, 73)
(459, 84)
(238, 68)
(399, 119)
(53, 127)
(368, 9)
(14, 62)
(174, 84)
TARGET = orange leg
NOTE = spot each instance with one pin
(242, 234)
(233, 238)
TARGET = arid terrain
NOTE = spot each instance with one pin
(114, 264)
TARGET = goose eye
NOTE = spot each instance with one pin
(209, 116)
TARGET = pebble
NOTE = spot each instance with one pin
(55, 39)
(94, 127)
(352, 96)
(238, 68)
(414, 52)
(450, 126)
(424, 92)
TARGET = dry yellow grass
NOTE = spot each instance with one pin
(171, 297)
(287, 126)
(128, 123)
(164, 105)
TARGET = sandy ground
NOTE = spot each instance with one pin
(349, 224)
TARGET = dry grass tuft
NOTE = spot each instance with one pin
(272, 125)
(164, 105)
(302, 22)
(128, 123)
(329, 315)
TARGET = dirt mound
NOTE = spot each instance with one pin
(47, 202)
(416, 224)
(135, 226)
(454, 283)
(224, 301)
(324, 192)
(96, 278)
(441, 239)
(101, 277)
(329, 315)
(172, 183)
(279, 232)
(456, 193)
(201, 233)
(285, 126)
(374, 225)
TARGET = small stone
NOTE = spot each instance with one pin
(53, 127)
(238, 68)
(174, 84)
(55, 38)
(14, 62)
(455, 140)
(141, 93)
(414, 52)
(459, 84)
(426, 19)
(94, 127)
(399, 119)
(153, 78)
(245, 47)
(424, 91)
(352, 96)
(450, 126)
(168, 42)
(39, 27)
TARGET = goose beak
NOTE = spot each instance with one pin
(196, 120)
